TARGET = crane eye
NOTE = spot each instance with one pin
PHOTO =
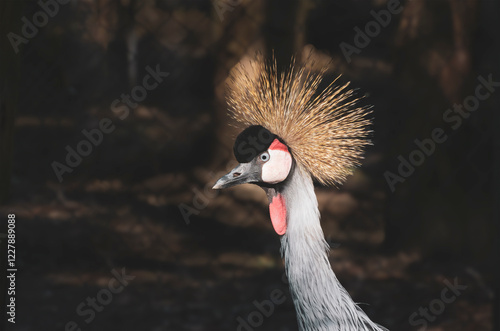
(264, 157)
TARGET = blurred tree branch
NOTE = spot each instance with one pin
(433, 45)
(437, 35)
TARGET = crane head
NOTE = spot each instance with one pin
(291, 126)
(264, 159)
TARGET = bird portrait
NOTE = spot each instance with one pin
(294, 133)
(250, 165)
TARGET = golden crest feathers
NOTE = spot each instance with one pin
(326, 130)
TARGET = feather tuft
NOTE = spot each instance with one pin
(326, 130)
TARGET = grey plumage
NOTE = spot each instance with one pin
(320, 300)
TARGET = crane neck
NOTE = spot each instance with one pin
(320, 300)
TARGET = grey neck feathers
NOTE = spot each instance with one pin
(320, 300)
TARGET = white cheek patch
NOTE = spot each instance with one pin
(277, 168)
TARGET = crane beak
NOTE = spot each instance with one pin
(241, 174)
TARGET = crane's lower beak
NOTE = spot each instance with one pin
(241, 174)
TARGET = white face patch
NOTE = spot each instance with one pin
(277, 168)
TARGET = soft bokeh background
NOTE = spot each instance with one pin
(122, 206)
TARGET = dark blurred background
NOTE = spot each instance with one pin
(141, 199)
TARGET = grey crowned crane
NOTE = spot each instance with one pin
(294, 134)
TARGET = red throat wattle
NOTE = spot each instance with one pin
(277, 210)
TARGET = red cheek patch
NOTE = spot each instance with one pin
(278, 146)
(277, 210)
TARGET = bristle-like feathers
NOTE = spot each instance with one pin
(326, 131)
